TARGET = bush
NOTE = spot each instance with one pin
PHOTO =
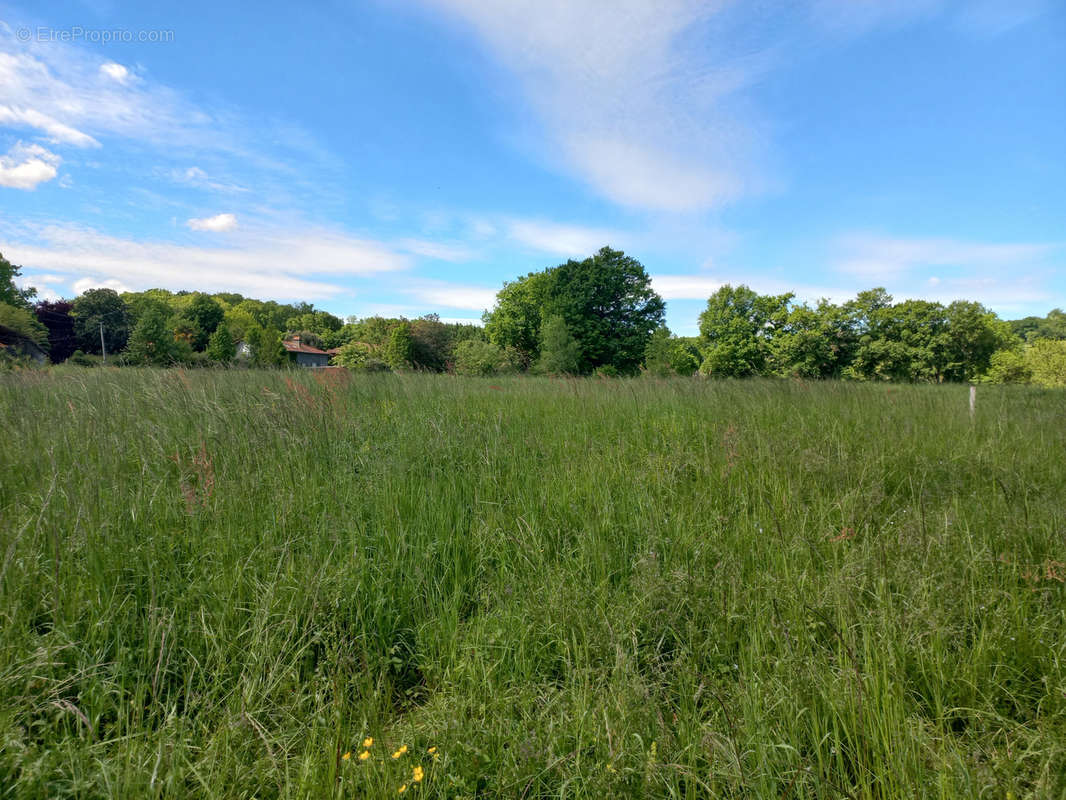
(1046, 360)
(359, 356)
(475, 357)
(559, 351)
(83, 359)
(1008, 366)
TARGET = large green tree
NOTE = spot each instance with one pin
(516, 319)
(10, 293)
(399, 352)
(207, 313)
(973, 334)
(431, 343)
(266, 346)
(609, 307)
(220, 347)
(666, 354)
(1053, 326)
(737, 329)
(813, 342)
(139, 303)
(319, 322)
(606, 303)
(23, 322)
(96, 309)
(55, 316)
(152, 341)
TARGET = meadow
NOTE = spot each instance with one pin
(234, 584)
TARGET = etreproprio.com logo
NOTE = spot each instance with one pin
(77, 33)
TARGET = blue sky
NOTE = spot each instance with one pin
(408, 157)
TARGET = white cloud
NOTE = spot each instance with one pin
(37, 280)
(449, 295)
(885, 258)
(61, 83)
(27, 165)
(987, 18)
(64, 90)
(560, 239)
(48, 295)
(685, 287)
(260, 262)
(200, 179)
(701, 287)
(84, 284)
(217, 223)
(1005, 276)
(441, 251)
(628, 100)
(116, 72)
(57, 132)
(855, 17)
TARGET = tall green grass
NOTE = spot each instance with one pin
(218, 584)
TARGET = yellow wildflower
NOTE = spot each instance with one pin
(367, 742)
(402, 789)
(364, 755)
(347, 755)
(417, 774)
(432, 750)
(400, 752)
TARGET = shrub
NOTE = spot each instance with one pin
(1046, 360)
(475, 357)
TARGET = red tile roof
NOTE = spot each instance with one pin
(296, 346)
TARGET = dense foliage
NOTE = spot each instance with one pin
(598, 315)
(605, 302)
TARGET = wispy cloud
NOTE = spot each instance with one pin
(883, 258)
(685, 287)
(701, 287)
(441, 294)
(83, 285)
(261, 263)
(560, 238)
(848, 18)
(56, 131)
(1002, 275)
(626, 100)
(439, 251)
(995, 17)
(199, 178)
(217, 224)
(855, 17)
(75, 98)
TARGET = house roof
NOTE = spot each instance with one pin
(296, 346)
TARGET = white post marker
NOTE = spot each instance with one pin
(973, 400)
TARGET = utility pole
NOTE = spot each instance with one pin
(103, 347)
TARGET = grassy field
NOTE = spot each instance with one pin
(218, 584)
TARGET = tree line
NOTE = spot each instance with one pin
(598, 315)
